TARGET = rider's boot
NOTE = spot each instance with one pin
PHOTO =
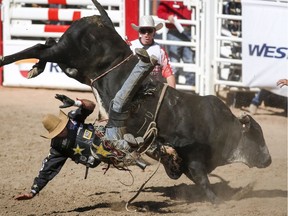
(144, 56)
(116, 130)
(116, 134)
(133, 141)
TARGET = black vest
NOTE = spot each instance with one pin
(77, 144)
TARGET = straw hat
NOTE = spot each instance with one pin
(147, 22)
(54, 125)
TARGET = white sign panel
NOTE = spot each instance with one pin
(265, 44)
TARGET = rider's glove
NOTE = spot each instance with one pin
(67, 102)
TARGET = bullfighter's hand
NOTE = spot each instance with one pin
(24, 196)
(67, 102)
(282, 82)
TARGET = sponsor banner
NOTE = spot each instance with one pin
(52, 77)
(265, 44)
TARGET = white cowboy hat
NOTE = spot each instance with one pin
(147, 22)
(54, 125)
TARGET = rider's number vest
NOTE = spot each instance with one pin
(77, 145)
(82, 148)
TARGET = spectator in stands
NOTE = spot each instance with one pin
(282, 82)
(171, 11)
(147, 30)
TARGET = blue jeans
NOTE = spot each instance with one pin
(260, 97)
(124, 96)
(176, 53)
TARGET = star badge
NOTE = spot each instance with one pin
(78, 150)
(100, 150)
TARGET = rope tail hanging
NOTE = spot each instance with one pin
(142, 186)
(151, 130)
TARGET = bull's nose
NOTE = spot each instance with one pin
(266, 162)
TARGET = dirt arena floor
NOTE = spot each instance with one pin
(245, 192)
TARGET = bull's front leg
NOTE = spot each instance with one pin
(196, 172)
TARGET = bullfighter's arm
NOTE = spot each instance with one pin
(51, 166)
(86, 107)
(167, 71)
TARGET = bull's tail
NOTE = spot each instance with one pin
(106, 19)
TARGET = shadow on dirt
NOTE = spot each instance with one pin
(82, 209)
(179, 195)
(192, 193)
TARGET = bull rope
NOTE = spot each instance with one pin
(152, 129)
(106, 72)
(95, 92)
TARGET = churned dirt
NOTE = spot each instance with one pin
(244, 191)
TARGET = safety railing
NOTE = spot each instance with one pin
(28, 22)
(38, 19)
(228, 46)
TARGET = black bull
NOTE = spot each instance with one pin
(202, 129)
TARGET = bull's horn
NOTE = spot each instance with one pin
(106, 19)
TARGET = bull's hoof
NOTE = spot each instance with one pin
(71, 71)
(34, 72)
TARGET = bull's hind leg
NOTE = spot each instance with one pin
(37, 51)
(39, 67)
(197, 173)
